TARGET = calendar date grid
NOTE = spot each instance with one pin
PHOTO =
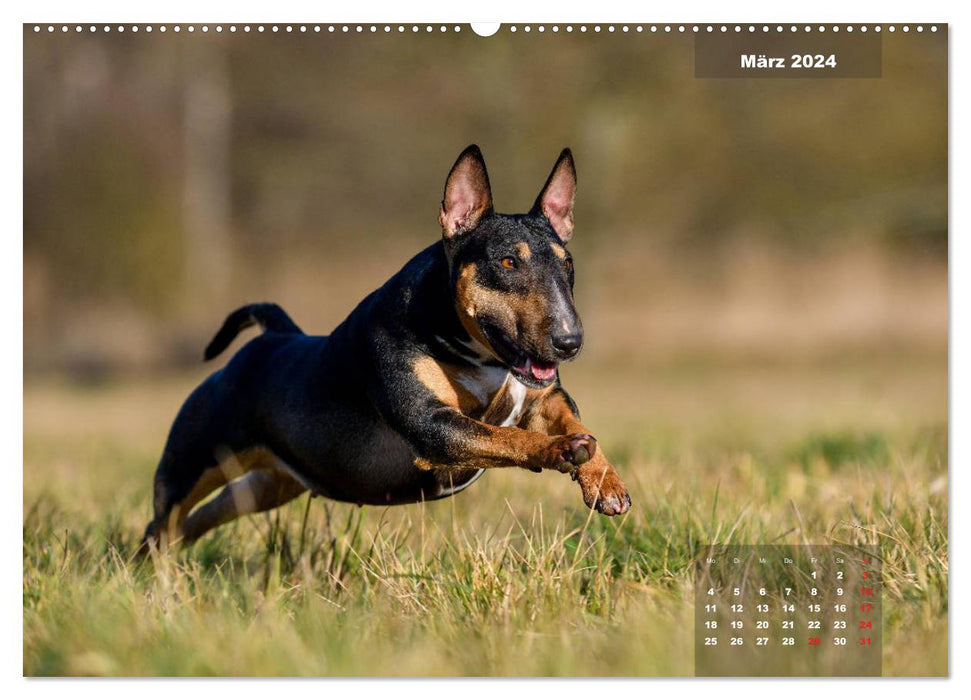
(787, 610)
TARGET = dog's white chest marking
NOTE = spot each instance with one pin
(517, 390)
(485, 382)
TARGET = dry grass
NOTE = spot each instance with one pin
(512, 577)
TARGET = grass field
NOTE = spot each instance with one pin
(513, 576)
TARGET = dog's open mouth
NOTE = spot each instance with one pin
(531, 371)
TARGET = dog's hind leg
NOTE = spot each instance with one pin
(259, 490)
(172, 503)
(175, 498)
(189, 469)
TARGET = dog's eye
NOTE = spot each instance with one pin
(509, 263)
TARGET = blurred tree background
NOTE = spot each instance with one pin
(170, 177)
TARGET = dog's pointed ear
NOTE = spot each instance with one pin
(467, 194)
(555, 202)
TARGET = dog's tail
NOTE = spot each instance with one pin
(269, 316)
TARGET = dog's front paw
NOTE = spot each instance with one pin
(603, 488)
(567, 452)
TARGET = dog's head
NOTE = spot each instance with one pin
(511, 274)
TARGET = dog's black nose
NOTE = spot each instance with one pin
(568, 344)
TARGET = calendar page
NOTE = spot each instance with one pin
(800, 610)
(383, 348)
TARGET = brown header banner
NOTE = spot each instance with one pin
(788, 55)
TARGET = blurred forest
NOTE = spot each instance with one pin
(169, 178)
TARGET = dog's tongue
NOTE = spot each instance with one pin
(540, 371)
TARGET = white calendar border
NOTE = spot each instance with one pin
(511, 11)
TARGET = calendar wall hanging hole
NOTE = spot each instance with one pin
(485, 28)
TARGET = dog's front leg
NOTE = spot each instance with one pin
(425, 406)
(552, 411)
(445, 438)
